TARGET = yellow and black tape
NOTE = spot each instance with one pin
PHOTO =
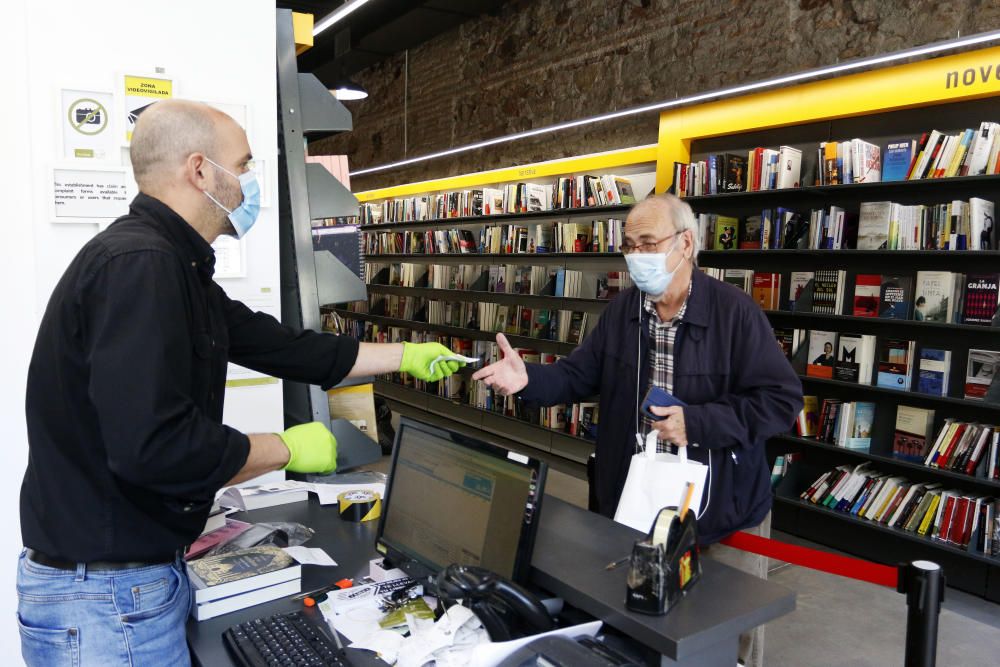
(359, 505)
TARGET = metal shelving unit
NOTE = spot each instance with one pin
(308, 192)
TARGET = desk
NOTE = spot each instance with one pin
(571, 550)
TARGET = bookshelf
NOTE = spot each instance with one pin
(560, 448)
(736, 126)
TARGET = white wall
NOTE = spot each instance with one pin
(219, 51)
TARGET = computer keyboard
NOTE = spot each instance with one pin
(283, 640)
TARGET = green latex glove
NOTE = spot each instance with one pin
(311, 448)
(417, 358)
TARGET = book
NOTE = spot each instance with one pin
(767, 290)
(808, 419)
(265, 495)
(227, 605)
(577, 327)
(979, 303)
(211, 539)
(867, 288)
(859, 436)
(726, 233)
(240, 571)
(798, 285)
(735, 173)
(855, 357)
(873, 225)
(982, 230)
(912, 434)
(933, 371)
(896, 161)
(828, 290)
(895, 360)
(751, 235)
(216, 518)
(896, 297)
(980, 371)
(934, 296)
(822, 353)
(789, 341)
(789, 166)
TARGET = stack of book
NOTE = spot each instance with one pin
(240, 579)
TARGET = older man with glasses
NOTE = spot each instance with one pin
(703, 341)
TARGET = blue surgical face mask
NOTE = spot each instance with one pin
(245, 215)
(648, 270)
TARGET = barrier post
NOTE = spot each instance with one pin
(923, 583)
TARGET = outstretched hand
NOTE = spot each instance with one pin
(507, 376)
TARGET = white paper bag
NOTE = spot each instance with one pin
(658, 480)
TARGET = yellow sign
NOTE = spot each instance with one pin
(140, 93)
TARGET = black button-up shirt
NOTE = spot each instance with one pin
(126, 386)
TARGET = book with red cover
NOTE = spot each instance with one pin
(866, 294)
(767, 290)
(958, 520)
(970, 517)
(947, 515)
(758, 158)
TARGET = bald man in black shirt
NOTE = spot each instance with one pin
(125, 396)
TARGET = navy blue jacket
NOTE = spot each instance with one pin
(728, 368)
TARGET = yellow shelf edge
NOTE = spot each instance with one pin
(592, 162)
(955, 78)
(302, 29)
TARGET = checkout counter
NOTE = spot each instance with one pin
(571, 550)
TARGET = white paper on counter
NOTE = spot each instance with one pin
(310, 556)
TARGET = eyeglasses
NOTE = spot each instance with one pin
(628, 248)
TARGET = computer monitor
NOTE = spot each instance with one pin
(454, 499)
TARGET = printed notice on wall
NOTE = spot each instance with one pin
(140, 93)
(89, 195)
(230, 257)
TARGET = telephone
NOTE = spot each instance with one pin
(506, 610)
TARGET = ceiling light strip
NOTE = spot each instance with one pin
(345, 10)
(927, 49)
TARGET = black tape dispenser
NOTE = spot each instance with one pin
(665, 565)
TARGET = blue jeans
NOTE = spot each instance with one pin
(104, 618)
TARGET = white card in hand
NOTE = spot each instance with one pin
(453, 357)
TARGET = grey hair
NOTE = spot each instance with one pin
(165, 135)
(678, 212)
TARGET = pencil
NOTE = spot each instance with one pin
(687, 500)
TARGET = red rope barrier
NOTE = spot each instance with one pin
(844, 566)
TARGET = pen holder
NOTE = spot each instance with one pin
(665, 565)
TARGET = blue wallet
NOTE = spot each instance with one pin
(659, 397)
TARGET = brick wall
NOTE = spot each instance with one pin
(540, 62)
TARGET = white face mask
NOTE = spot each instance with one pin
(648, 270)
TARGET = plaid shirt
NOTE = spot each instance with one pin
(661, 370)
